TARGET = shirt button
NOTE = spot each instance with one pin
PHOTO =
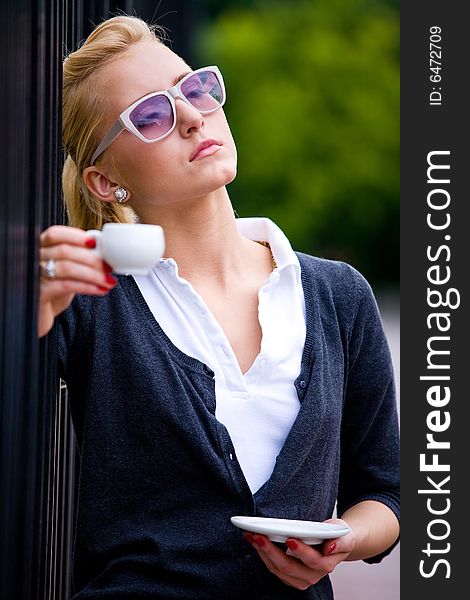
(263, 361)
(248, 559)
(303, 384)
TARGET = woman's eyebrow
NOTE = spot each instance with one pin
(180, 77)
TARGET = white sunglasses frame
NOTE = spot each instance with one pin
(124, 123)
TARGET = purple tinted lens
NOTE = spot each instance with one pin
(153, 117)
(203, 90)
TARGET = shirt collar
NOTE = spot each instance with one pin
(264, 230)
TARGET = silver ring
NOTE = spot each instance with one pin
(50, 269)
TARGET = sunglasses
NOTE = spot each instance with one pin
(153, 117)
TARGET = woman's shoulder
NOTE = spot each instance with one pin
(88, 313)
(336, 277)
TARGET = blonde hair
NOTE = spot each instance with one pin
(83, 109)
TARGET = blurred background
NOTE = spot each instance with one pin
(313, 103)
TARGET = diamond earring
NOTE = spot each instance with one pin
(120, 194)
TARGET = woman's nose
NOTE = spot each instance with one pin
(188, 118)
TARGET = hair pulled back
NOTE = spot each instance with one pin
(83, 109)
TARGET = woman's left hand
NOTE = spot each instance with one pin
(302, 566)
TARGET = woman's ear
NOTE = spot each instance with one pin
(99, 184)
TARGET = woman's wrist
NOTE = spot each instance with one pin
(375, 528)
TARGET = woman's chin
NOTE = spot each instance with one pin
(230, 177)
(220, 177)
(228, 173)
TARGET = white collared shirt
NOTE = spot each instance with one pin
(259, 407)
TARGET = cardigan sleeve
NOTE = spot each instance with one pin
(370, 434)
(72, 326)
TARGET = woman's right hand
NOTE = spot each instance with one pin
(77, 271)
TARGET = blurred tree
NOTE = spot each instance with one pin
(313, 103)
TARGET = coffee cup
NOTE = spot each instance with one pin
(129, 248)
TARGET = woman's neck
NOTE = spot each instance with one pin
(201, 235)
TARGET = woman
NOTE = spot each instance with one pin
(238, 378)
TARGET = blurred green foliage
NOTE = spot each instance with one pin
(313, 104)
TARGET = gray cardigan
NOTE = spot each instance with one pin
(159, 478)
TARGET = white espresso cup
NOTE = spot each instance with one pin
(129, 248)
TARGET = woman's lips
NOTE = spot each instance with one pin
(206, 148)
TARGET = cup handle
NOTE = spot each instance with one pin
(96, 235)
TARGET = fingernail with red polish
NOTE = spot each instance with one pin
(90, 243)
(110, 279)
(249, 537)
(259, 541)
(331, 548)
(291, 545)
(102, 289)
(106, 267)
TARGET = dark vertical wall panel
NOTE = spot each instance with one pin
(30, 75)
(18, 348)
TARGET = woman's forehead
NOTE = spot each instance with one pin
(146, 67)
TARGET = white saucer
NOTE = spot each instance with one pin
(279, 530)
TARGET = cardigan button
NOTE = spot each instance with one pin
(209, 371)
(303, 384)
